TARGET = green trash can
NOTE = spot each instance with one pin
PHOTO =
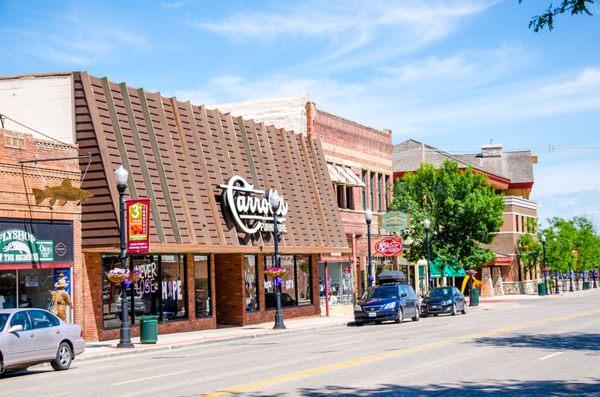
(474, 301)
(542, 289)
(148, 329)
(586, 285)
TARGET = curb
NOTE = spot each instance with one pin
(207, 342)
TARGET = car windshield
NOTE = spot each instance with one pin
(439, 293)
(381, 292)
(3, 320)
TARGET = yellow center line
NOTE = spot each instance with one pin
(381, 356)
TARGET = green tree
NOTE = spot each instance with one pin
(529, 251)
(573, 7)
(463, 208)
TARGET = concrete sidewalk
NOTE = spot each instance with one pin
(97, 350)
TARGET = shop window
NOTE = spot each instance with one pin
(202, 294)
(35, 286)
(8, 289)
(173, 287)
(296, 286)
(160, 290)
(147, 287)
(304, 280)
(251, 282)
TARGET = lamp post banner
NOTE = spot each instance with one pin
(389, 246)
(138, 225)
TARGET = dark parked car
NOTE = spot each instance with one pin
(447, 300)
(389, 300)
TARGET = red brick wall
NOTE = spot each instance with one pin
(229, 289)
(16, 197)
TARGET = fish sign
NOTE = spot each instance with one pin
(61, 194)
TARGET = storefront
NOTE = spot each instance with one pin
(34, 255)
(208, 176)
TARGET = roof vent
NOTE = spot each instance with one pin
(491, 150)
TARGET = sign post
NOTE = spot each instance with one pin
(138, 225)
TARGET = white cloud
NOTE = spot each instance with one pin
(568, 205)
(352, 30)
(74, 40)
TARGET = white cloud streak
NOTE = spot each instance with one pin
(352, 29)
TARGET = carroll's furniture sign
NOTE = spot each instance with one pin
(138, 225)
(250, 207)
(24, 241)
(389, 246)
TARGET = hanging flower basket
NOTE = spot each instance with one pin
(134, 275)
(274, 271)
(117, 275)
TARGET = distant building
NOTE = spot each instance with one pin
(509, 172)
(359, 160)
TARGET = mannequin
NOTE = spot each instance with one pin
(60, 299)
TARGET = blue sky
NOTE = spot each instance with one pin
(455, 74)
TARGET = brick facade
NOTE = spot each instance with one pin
(17, 200)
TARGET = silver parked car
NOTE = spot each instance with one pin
(34, 336)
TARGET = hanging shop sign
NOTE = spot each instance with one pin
(24, 241)
(250, 207)
(389, 246)
(394, 221)
(138, 225)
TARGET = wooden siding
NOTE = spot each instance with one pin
(178, 154)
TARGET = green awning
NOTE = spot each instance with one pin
(449, 270)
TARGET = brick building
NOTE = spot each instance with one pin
(206, 175)
(360, 167)
(510, 173)
(40, 242)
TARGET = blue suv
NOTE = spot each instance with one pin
(391, 299)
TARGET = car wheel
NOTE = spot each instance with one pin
(435, 315)
(417, 315)
(1, 365)
(400, 317)
(453, 310)
(464, 310)
(64, 357)
(424, 315)
(359, 323)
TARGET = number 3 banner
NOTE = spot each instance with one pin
(138, 225)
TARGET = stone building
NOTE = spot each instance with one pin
(509, 172)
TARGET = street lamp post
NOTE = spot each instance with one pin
(275, 203)
(121, 177)
(556, 291)
(545, 268)
(594, 277)
(427, 224)
(570, 279)
(368, 217)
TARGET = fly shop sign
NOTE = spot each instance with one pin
(250, 208)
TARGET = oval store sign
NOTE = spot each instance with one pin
(389, 246)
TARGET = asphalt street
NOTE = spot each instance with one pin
(526, 347)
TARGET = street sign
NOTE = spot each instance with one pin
(394, 221)
(138, 225)
(389, 246)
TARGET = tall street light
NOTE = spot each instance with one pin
(574, 251)
(427, 224)
(121, 176)
(545, 268)
(275, 203)
(368, 217)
